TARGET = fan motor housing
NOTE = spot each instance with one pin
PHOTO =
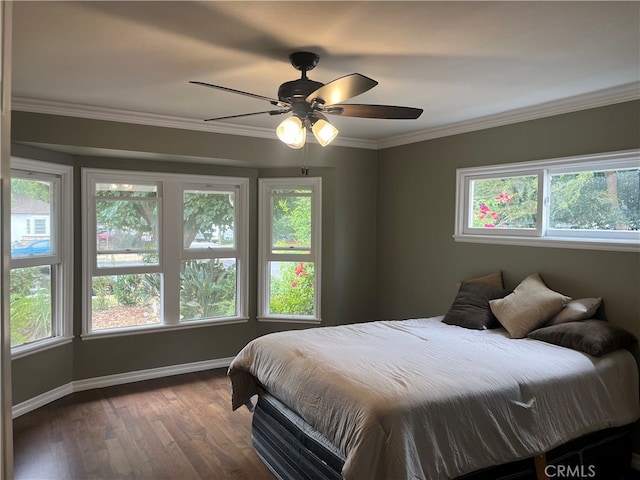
(300, 88)
(295, 92)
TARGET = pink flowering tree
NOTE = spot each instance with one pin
(292, 292)
(505, 203)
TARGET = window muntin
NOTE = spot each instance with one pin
(582, 202)
(290, 249)
(40, 280)
(155, 241)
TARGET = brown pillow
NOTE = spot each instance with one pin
(595, 337)
(470, 308)
(530, 305)
(576, 310)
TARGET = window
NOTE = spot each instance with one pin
(578, 202)
(290, 232)
(40, 226)
(163, 251)
(41, 261)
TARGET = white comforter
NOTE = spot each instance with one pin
(419, 399)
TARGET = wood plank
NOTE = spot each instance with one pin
(174, 427)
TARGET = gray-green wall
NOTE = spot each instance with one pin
(348, 253)
(418, 261)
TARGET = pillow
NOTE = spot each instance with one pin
(491, 280)
(595, 337)
(576, 310)
(529, 306)
(470, 308)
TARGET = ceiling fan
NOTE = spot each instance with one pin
(309, 101)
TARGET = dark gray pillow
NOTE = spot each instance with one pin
(595, 337)
(470, 308)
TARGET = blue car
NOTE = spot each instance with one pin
(39, 247)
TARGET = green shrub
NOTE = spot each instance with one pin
(292, 292)
(207, 290)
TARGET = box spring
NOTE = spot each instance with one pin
(293, 450)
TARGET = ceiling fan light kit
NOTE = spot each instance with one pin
(292, 132)
(309, 100)
(324, 132)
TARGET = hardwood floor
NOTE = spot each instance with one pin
(178, 428)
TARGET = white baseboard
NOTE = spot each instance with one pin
(635, 461)
(118, 379)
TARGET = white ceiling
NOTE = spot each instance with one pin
(464, 63)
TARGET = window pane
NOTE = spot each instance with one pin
(208, 219)
(112, 260)
(31, 213)
(291, 216)
(127, 232)
(509, 202)
(607, 200)
(125, 301)
(126, 190)
(30, 304)
(291, 288)
(208, 289)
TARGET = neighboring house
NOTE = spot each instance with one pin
(29, 219)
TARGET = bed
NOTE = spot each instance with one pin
(422, 399)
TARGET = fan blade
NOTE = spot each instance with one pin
(270, 112)
(374, 111)
(272, 101)
(342, 89)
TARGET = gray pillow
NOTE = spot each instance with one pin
(470, 308)
(595, 337)
(576, 310)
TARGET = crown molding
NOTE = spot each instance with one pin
(64, 109)
(610, 96)
(600, 98)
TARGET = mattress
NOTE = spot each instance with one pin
(289, 446)
(293, 450)
(421, 399)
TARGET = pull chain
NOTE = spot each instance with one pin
(304, 171)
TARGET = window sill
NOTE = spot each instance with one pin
(554, 242)
(284, 319)
(40, 346)
(120, 332)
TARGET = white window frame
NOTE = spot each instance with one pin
(61, 260)
(266, 186)
(542, 235)
(171, 251)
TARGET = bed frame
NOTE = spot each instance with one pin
(293, 450)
